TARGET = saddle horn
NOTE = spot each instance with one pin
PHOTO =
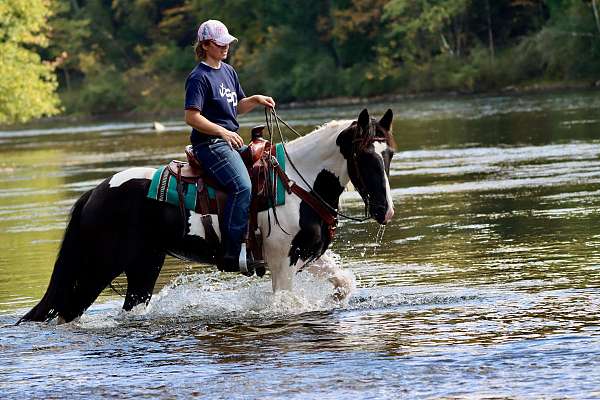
(257, 132)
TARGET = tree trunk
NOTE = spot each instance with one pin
(490, 31)
(595, 7)
(67, 79)
(445, 44)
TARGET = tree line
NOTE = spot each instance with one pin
(107, 56)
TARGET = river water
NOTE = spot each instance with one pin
(485, 285)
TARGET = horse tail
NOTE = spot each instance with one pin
(63, 276)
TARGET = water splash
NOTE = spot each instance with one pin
(379, 238)
(210, 297)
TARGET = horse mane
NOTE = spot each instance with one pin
(327, 129)
(336, 127)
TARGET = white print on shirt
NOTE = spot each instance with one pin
(231, 96)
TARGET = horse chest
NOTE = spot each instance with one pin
(313, 237)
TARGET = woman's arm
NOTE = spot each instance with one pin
(248, 103)
(199, 122)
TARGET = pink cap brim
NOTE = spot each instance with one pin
(226, 39)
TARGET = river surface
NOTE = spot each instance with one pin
(485, 285)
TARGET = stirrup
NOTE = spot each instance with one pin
(245, 264)
(229, 264)
(249, 265)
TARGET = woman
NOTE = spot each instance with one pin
(213, 99)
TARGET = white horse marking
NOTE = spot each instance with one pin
(380, 147)
(132, 173)
(197, 228)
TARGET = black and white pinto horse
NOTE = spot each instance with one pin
(115, 228)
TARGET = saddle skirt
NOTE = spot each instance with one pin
(204, 195)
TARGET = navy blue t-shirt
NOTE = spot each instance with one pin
(215, 93)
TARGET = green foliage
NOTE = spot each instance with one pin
(68, 38)
(167, 59)
(106, 92)
(120, 55)
(569, 46)
(27, 85)
(426, 28)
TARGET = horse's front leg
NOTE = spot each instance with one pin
(277, 258)
(343, 281)
(282, 275)
(277, 244)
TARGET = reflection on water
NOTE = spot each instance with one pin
(485, 284)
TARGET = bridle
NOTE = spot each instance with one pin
(358, 145)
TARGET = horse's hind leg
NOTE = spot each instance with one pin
(141, 277)
(87, 289)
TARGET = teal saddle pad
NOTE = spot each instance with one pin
(164, 186)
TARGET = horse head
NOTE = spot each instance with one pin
(368, 147)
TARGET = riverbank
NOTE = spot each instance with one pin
(516, 90)
(157, 113)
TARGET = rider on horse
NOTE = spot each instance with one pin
(213, 99)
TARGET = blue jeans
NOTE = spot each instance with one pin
(226, 166)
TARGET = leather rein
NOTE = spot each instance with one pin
(327, 214)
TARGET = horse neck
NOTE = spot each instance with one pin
(316, 152)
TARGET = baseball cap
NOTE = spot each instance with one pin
(215, 30)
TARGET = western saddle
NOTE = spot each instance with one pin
(260, 159)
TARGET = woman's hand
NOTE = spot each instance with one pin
(232, 138)
(265, 100)
(248, 103)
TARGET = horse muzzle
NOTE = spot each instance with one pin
(388, 215)
(382, 214)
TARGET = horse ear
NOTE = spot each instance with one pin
(363, 119)
(386, 121)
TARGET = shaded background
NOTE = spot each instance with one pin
(115, 56)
